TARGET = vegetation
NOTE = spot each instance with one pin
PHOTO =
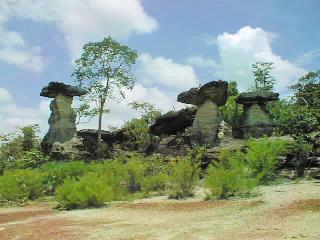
(238, 171)
(231, 111)
(138, 128)
(90, 191)
(264, 81)
(104, 69)
(20, 185)
(21, 149)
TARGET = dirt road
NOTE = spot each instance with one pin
(289, 211)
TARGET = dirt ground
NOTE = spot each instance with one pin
(287, 211)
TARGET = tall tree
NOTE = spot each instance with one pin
(264, 81)
(104, 69)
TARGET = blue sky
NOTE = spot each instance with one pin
(181, 44)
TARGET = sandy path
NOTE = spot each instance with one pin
(280, 212)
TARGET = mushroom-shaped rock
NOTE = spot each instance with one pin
(56, 88)
(256, 121)
(205, 126)
(249, 98)
(62, 127)
(216, 91)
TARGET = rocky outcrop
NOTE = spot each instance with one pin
(62, 126)
(208, 98)
(256, 121)
(70, 150)
(173, 122)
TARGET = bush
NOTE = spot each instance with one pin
(115, 176)
(155, 183)
(185, 175)
(21, 149)
(237, 172)
(230, 176)
(58, 172)
(135, 170)
(90, 191)
(20, 185)
(262, 157)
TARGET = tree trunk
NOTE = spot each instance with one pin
(99, 129)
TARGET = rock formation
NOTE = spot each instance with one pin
(173, 122)
(208, 98)
(255, 121)
(62, 126)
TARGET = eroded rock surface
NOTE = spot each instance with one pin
(173, 122)
(256, 121)
(208, 98)
(62, 127)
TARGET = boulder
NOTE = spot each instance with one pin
(70, 150)
(173, 122)
(62, 120)
(208, 98)
(255, 121)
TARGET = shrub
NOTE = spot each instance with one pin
(19, 185)
(157, 182)
(262, 157)
(90, 191)
(135, 170)
(230, 176)
(58, 172)
(237, 172)
(21, 149)
(115, 176)
(185, 175)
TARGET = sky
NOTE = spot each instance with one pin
(181, 44)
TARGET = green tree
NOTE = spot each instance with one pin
(138, 129)
(104, 69)
(264, 81)
(307, 92)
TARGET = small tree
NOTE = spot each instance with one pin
(264, 81)
(104, 69)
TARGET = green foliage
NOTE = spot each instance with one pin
(90, 191)
(261, 156)
(184, 177)
(237, 172)
(138, 128)
(58, 172)
(230, 176)
(104, 69)
(264, 81)
(231, 112)
(293, 119)
(233, 88)
(20, 185)
(135, 169)
(115, 176)
(21, 149)
(156, 183)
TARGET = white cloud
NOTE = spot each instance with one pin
(163, 72)
(5, 96)
(12, 115)
(199, 61)
(14, 50)
(308, 57)
(83, 21)
(240, 50)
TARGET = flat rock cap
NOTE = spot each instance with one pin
(216, 91)
(57, 88)
(257, 97)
